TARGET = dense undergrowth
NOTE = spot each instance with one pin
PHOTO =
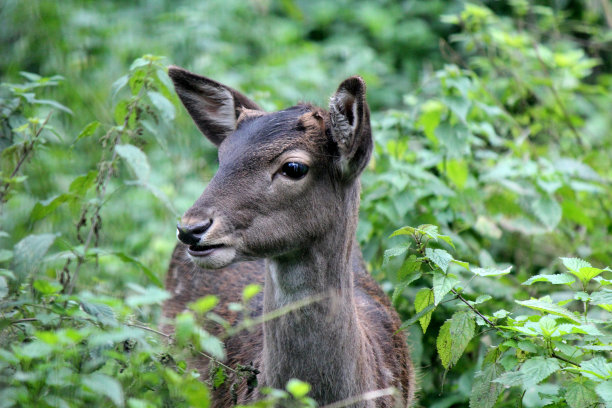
(492, 127)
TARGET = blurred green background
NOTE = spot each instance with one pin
(492, 120)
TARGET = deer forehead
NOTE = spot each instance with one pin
(267, 136)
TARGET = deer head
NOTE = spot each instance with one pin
(285, 178)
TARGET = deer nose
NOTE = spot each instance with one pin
(191, 234)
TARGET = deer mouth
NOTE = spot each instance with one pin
(203, 250)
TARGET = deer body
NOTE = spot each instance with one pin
(282, 211)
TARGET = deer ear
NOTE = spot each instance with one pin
(213, 107)
(349, 116)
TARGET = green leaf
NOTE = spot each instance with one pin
(150, 295)
(106, 386)
(416, 317)
(491, 271)
(88, 130)
(484, 391)
(442, 284)
(403, 231)
(548, 307)
(547, 210)
(118, 85)
(5, 255)
(393, 252)
(604, 390)
(462, 330)
(250, 291)
(29, 252)
(43, 208)
(536, 369)
(204, 304)
(219, 377)
(481, 299)
(297, 388)
(136, 160)
(46, 288)
(148, 272)
(410, 265)
(101, 312)
(211, 345)
(597, 367)
(556, 279)
(444, 343)
(603, 297)
(3, 287)
(81, 184)
(424, 298)
(440, 257)
(163, 105)
(579, 395)
(399, 288)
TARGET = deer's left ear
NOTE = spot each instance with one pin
(350, 126)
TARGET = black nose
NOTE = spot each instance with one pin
(191, 234)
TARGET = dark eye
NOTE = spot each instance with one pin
(294, 170)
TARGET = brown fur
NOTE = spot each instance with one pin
(297, 239)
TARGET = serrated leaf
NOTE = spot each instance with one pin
(462, 330)
(510, 378)
(484, 391)
(536, 369)
(212, 345)
(104, 385)
(136, 160)
(556, 279)
(491, 271)
(603, 297)
(481, 299)
(424, 298)
(43, 208)
(101, 312)
(443, 344)
(574, 264)
(547, 210)
(547, 307)
(219, 377)
(29, 252)
(604, 390)
(88, 130)
(442, 284)
(440, 257)
(598, 367)
(579, 395)
(393, 252)
(403, 231)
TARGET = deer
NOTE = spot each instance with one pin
(282, 211)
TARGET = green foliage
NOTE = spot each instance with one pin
(491, 128)
(521, 350)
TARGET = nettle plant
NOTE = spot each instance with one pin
(564, 346)
(61, 345)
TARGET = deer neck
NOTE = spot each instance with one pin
(320, 342)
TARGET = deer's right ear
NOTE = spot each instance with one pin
(214, 107)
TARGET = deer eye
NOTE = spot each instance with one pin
(294, 170)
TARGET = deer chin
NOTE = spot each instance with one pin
(212, 257)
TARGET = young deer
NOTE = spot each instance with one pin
(282, 211)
